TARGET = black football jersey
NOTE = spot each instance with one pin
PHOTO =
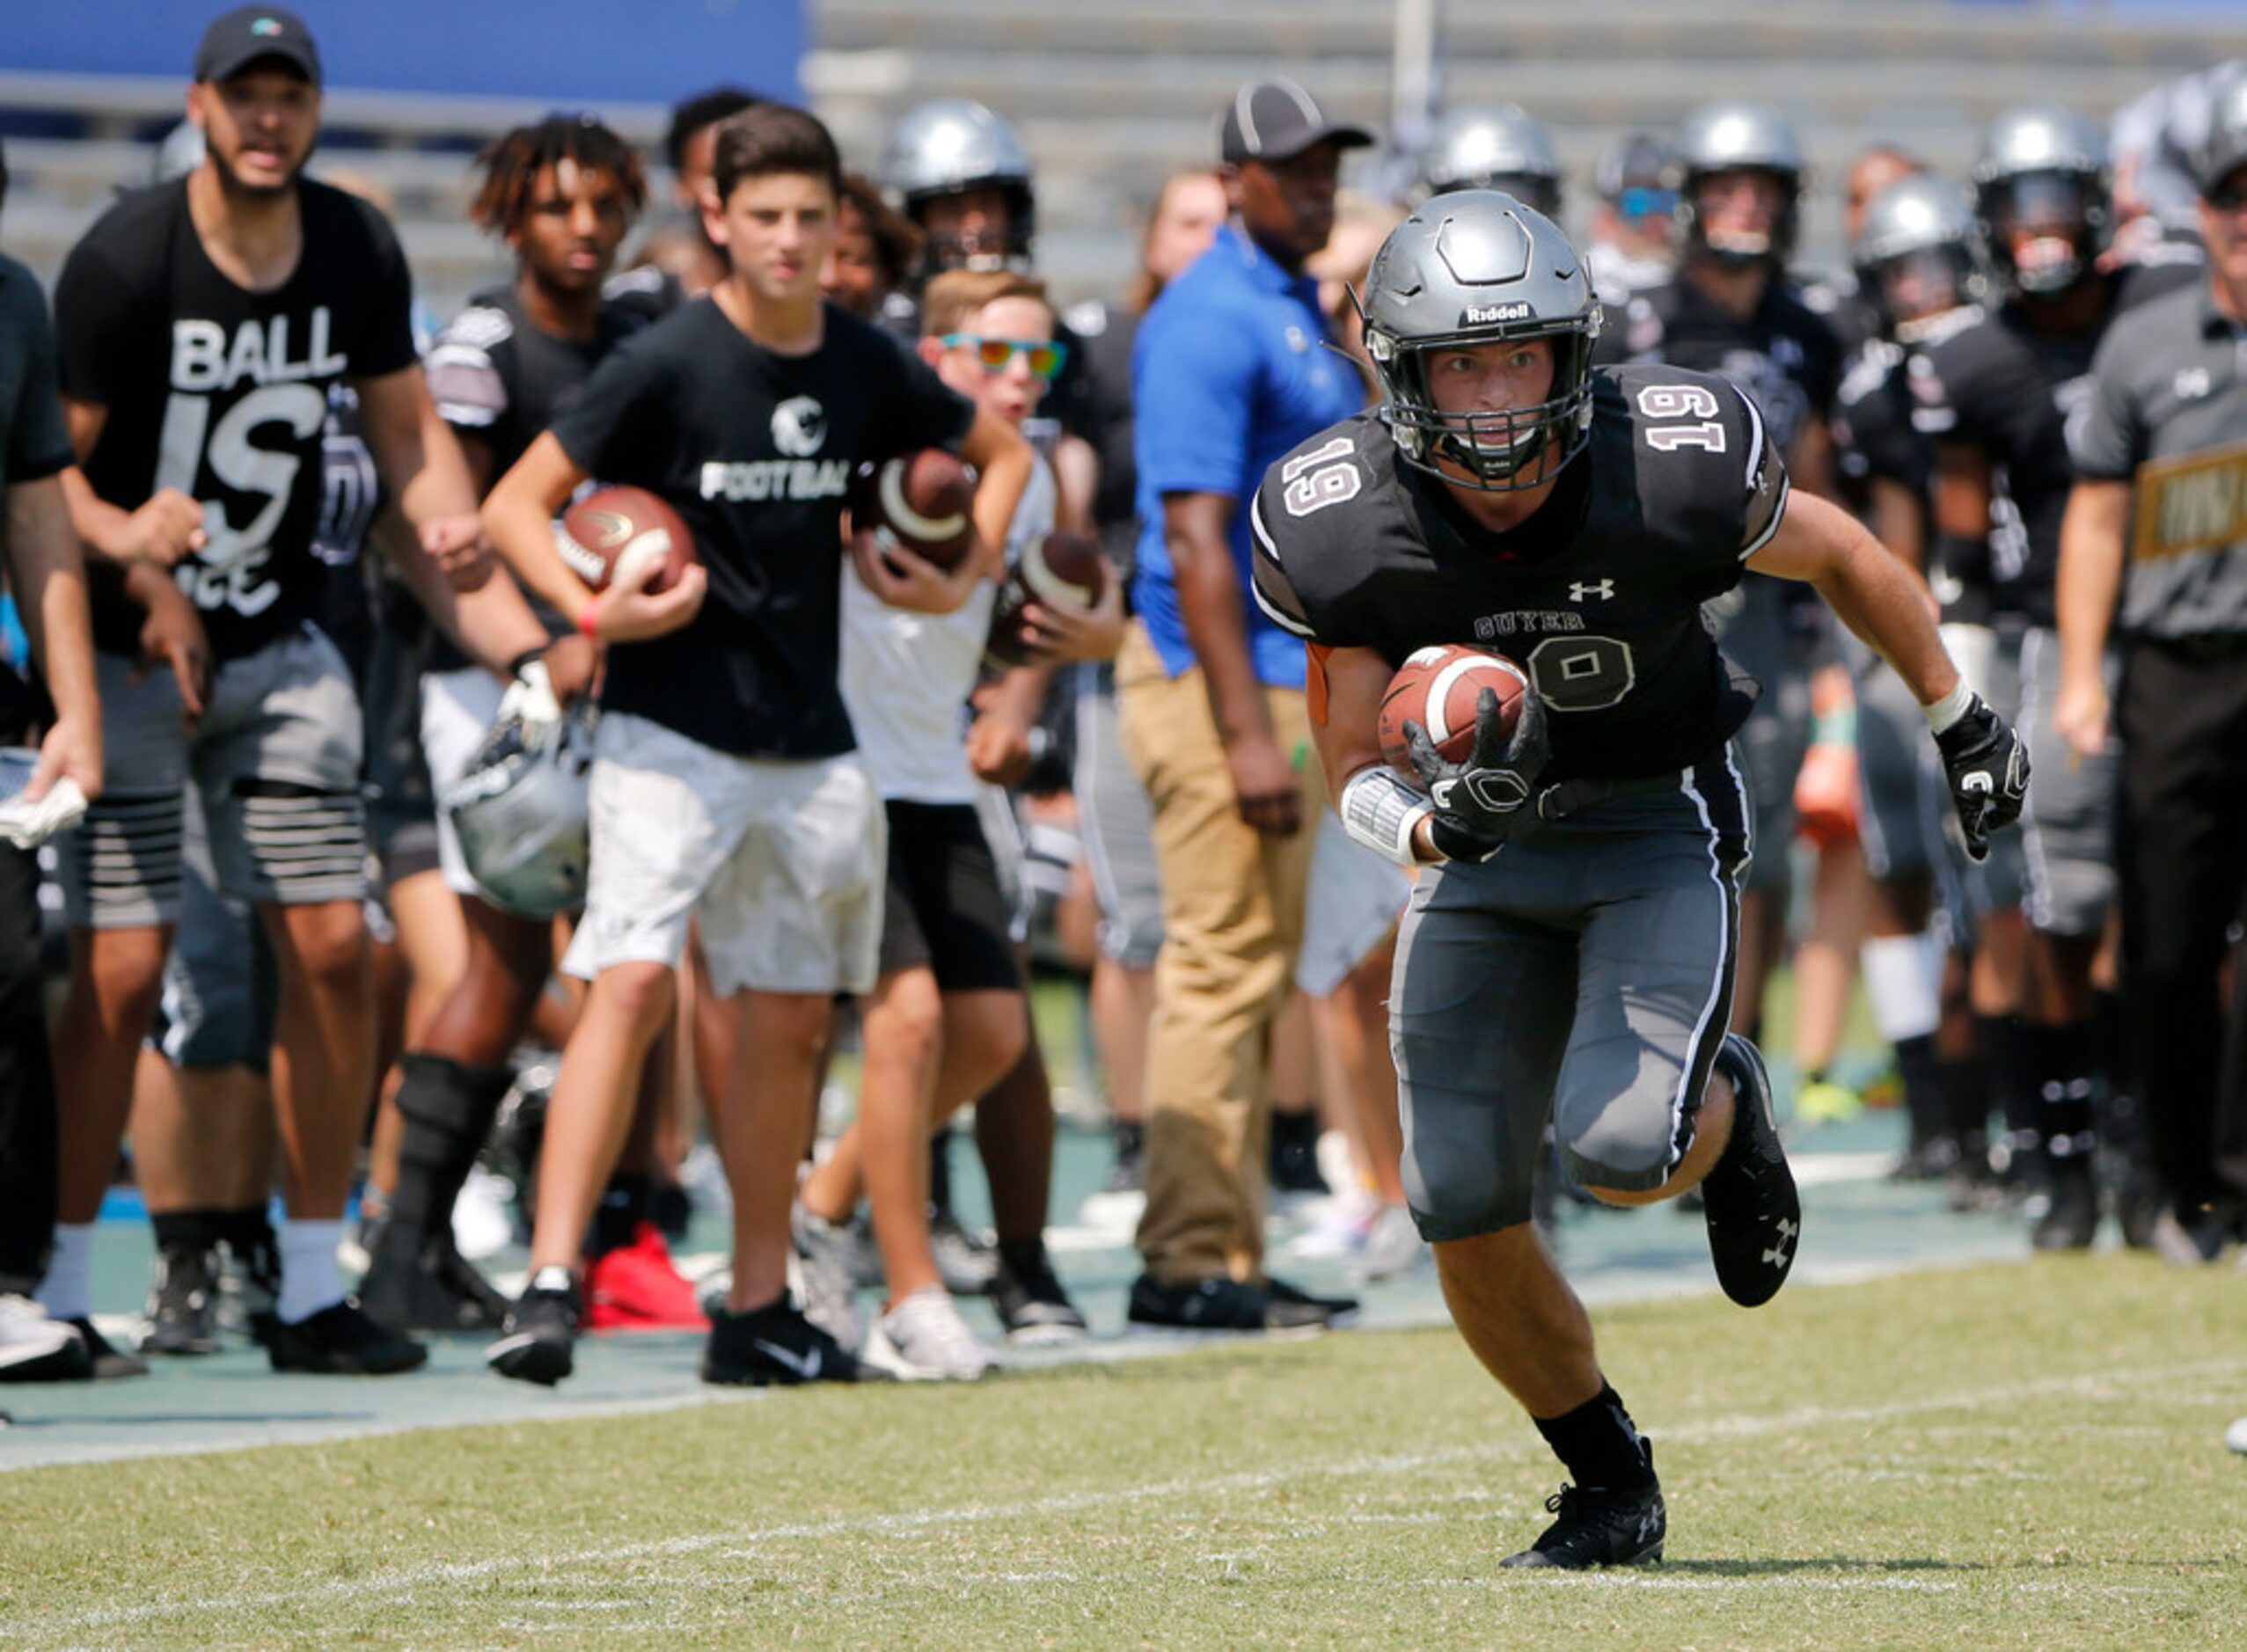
(2009, 392)
(1597, 597)
(1874, 438)
(223, 393)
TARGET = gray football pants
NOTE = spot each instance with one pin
(1582, 975)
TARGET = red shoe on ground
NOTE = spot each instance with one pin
(638, 1289)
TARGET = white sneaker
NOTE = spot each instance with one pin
(829, 1299)
(924, 1339)
(1341, 1228)
(34, 1348)
(1393, 1246)
(481, 1226)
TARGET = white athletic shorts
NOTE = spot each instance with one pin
(782, 863)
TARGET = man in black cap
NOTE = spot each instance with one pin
(1231, 370)
(202, 323)
(2166, 422)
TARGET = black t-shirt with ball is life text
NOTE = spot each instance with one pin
(223, 393)
(754, 450)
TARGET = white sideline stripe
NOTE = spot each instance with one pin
(410, 1578)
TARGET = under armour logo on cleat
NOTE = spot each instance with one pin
(1777, 1255)
(1604, 589)
(804, 1365)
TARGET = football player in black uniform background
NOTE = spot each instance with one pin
(562, 194)
(1570, 950)
(1997, 400)
(203, 325)
(1728, 311)
(1914, 248)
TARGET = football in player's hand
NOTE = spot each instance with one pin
(919, 500)
(1060, 569)
(619, 526)
(1439, 688)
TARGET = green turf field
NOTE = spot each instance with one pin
(2023, 1455)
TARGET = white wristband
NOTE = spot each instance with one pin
(1950, 708)
(1380, 811)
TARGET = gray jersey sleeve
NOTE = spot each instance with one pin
(2109, 441)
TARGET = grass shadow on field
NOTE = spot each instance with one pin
(1844, 1563)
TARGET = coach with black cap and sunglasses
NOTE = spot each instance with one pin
(2157, 519)
(1231, 370)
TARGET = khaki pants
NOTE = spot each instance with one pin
(1232, 906)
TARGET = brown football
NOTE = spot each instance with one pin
(1062, 568)
(613, 525)
(919, 500)
(1440, 688)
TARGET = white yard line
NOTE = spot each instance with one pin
(406, 1580)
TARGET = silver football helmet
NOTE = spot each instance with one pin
(950, 145)
(1915, 256)
(2045, 197)
(1740, 136)
(1504, 147)
(2224, 150)
(1477, 267)
(523, 813)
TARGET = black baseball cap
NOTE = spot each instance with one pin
(243, 36)
(1275, 119)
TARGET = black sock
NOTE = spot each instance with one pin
(2121, 1124)
(625, 1204)
(1598, 1444)
(186, 1230)
(2063, 1057)
(1923, 1103)
(1294, 1130)
(1023, 1258)
(1964, 1082)
(939, 1168)
(2012, 1078)
(1130, 1136)
(248, 1230)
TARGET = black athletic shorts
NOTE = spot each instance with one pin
(943, 907)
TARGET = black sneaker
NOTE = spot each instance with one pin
(1228, 1304)
(1754, 1215)
(2071, 1221)
(539, 1342)
(775, 1345)
(1599, 1527)
(1032, 1305)
(342, 1340)
(183, 1303)
(1291, 1305)
(1128, 1174)
(438, 1291)
(105, 1360)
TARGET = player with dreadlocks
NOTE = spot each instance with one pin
(562, 194)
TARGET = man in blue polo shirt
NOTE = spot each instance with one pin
(1231, 370)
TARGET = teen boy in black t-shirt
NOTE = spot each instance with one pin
(725, 789)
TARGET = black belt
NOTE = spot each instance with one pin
(2208, 647)
(1573, 797)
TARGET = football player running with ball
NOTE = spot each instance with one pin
(1569, 953)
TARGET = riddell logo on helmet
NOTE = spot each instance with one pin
(1477, 315)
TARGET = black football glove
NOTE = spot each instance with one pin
(1492, 797)
(1988, 770)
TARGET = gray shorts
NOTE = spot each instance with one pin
(2068, 829)
(1900, 817)
(1585, 976)
(1990, 661)
(1759, 626)
(275, 760)
(220, 983)
(781, 863)
(1356, 899)
(1116, 824)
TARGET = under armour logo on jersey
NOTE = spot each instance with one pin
(2192, 384)
(799, 427)
(1776, 1255)
(1604, 589)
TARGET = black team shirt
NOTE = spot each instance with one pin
(1597, 597)
(755, 451)
(224, 393)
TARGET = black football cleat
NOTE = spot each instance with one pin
(776, 1346)
(539, 1343)
(183, 1303)
(1600, 1527)
(1754, 1215)
(342, 1341)
(2071, 1222)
